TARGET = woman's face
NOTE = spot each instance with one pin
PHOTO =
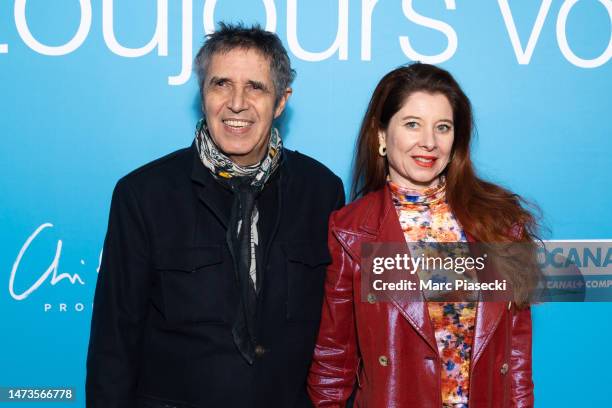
(419, 140)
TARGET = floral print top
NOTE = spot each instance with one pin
(426, 217)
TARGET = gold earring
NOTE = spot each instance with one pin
(382, 150)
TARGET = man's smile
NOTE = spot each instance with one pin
(237, 123)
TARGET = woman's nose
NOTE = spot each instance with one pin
(428, 139)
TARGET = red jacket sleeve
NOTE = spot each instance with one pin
(520, 359)
(332, 373)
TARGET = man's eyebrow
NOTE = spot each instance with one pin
(258, 84)
(251, 82)
(215, 79)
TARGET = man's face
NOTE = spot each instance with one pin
(239, 104)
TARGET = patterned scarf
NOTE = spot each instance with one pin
(223, 168)
(242, 236)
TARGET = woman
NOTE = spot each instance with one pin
(416, 181)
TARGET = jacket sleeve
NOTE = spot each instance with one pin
(120, 305)
(332, 373)
(520, 359)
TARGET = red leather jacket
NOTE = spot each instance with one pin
(389, 347)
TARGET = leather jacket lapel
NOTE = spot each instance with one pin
(488, 313)
(488, 316)
(381, 225)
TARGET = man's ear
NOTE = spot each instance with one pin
(280, 106)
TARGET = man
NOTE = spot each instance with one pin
(211, 283)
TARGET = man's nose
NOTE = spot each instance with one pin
(237, 102)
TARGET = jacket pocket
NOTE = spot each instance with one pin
(306, 265)
(193, 284)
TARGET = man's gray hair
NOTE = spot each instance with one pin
(232, 36)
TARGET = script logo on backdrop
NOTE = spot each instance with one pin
(51, 276)
(339, 46)
(580, 265)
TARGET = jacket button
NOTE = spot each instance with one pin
(259, 350)
(383, 360)
(504, 368)
(371, 298)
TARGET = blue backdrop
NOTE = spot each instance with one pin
(91, 89)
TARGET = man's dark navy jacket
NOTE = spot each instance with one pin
(166, 296)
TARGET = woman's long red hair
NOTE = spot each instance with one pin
(488, 212)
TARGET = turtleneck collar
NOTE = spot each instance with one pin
(403, 196)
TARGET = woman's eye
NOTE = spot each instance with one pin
(412, 125)
(443, 128)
